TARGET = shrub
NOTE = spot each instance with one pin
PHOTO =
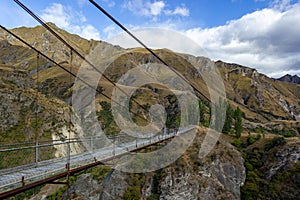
(237, 143)
(153, 197)
(250, 140)
(100, 172)
(288, 134)
(132, 193)
(276, 141)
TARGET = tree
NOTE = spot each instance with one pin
(201, 112)
(238, 122)
(228, 120)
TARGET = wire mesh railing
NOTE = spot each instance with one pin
(31, 172)
(32, 154)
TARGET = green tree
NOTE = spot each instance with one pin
(228, 120)
(201, 112)
(106, 119)
(238, 122)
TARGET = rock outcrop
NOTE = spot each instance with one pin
(290, 79)
(283, 159)
(217, 176)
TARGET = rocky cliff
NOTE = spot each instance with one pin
(273, 169)
(31, 87)
(217, 176)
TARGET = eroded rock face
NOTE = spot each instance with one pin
(283, 159)
(221, 180)
(217, 176)
(82, 188)
(86, 188)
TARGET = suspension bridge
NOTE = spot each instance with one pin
(38, 171)
(21, 178)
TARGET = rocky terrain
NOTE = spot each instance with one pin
(36, 103)
(290, 79)
(265, 170)
(272, 169)
(217, 176)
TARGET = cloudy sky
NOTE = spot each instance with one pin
(263, 34)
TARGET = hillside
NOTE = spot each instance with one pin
(36, 98)
(290, 79)
(265, 101)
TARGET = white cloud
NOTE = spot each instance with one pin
(183, 11)
(57, 14)
(70, 20)
(13, 16)
(139, 7)
(281, 4)
(81, 3)
(110, 3)
(158, 38)
(267, 39)
(89, 32)
(154, 9)
(111, 31)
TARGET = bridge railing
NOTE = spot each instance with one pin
(29, 153)
(30, 172)
(33, 153)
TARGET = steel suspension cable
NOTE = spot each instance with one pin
(36, 109)
(42, 22)
(68, 71)
(70, 125)
(146, 47)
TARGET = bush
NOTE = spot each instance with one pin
(132, 193)
(248, 166)
(250, 140)
(288, 134)
(153, 197)
(258, 137)
(237, 143)
(277, 141)
(250, 191)
(100, 172)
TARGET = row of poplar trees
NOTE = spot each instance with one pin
(233, 121)
(233, 118)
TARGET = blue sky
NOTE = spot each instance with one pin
(263, 34)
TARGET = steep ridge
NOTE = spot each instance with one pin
(268, 104)
(261, 98)
(290, 79)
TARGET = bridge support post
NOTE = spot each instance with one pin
(136, 142)
(92, 145)
(23, 181)
(114, 150)
(36, 153)
(68, 161)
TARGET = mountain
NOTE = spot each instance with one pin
(270, 108)
(262, 99)
(290, 79)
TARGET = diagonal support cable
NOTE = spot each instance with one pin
(146, 47)
(68, 71)
(43, 23)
